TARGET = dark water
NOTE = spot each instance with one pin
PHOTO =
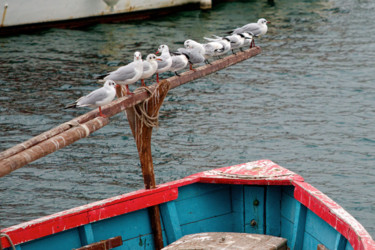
(306, 102)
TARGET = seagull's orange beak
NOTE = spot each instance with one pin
(159, 59)
(268, 22)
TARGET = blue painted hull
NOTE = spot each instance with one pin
(207, 204)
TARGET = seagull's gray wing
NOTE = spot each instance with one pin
(194, 56)
(146, 66)
(123, 73)
(183, 50)
(162, 64)
(253, 28)
(92, 98)
(177, 62)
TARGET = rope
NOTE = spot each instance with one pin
(140, 111)
(246, 177)
(9, 239)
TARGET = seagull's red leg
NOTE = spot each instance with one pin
(157, 77)
(100, 113)
(143, 83)
(191, 67)
(128, 91)
(252, 43)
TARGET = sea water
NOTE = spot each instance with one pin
(306, 102)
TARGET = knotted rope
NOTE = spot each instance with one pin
(140, 111)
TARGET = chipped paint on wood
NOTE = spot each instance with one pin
(249, 174)
(334, 215)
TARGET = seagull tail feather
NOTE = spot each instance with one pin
(72, 105)
(101, 76)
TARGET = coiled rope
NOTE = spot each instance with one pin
(140, 111)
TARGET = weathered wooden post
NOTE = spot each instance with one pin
(142, 118)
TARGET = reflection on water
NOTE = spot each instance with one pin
(306, 102)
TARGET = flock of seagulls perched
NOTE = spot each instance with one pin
(193, 53)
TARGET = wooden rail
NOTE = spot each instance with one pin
(82, 126)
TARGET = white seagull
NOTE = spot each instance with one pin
(179, 61)
(166, 60)
(150, 65)
(195, 57)
(236, 41)
(127, 74)
(255, 29)
(224, 41)
(248, 39)
(98, 97)
(207, 50)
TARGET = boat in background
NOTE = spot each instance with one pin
(20, 16)
(258, 197)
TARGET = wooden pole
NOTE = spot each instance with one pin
(36, 147)
(142, 118)
(49, 146)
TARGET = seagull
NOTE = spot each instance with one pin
(224, 41)
(179, 61)
(150, 66)
(166, 60)
(195, 57)
(255, 29)
(248, 39)
(236, 41)
(207, 50)
(127, 74)
(98, 97)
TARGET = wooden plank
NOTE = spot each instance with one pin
(254, 209)
(9, 161)
(204, 206)
(273, 207)
(320, 230)
(238, 212)
(221, 223)
(299, 226)
(288, 206)
(103, 244)
(321, 247)
(340, 243)
(227, 240)
(171, 221)
(287, 213)
(198, 189)
(86, 234)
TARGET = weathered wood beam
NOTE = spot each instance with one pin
(104, 244)
(51, 145)
(66, 133)
(142, 118)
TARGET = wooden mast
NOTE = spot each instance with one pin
(142, 118)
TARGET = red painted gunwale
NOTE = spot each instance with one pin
(262, 172)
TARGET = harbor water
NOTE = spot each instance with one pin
(306, 102)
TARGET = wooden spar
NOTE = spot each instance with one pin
(142, 132)
(67, 125)
(64, 130)
(51, 145)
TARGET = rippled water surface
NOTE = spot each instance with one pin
(306, 102)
